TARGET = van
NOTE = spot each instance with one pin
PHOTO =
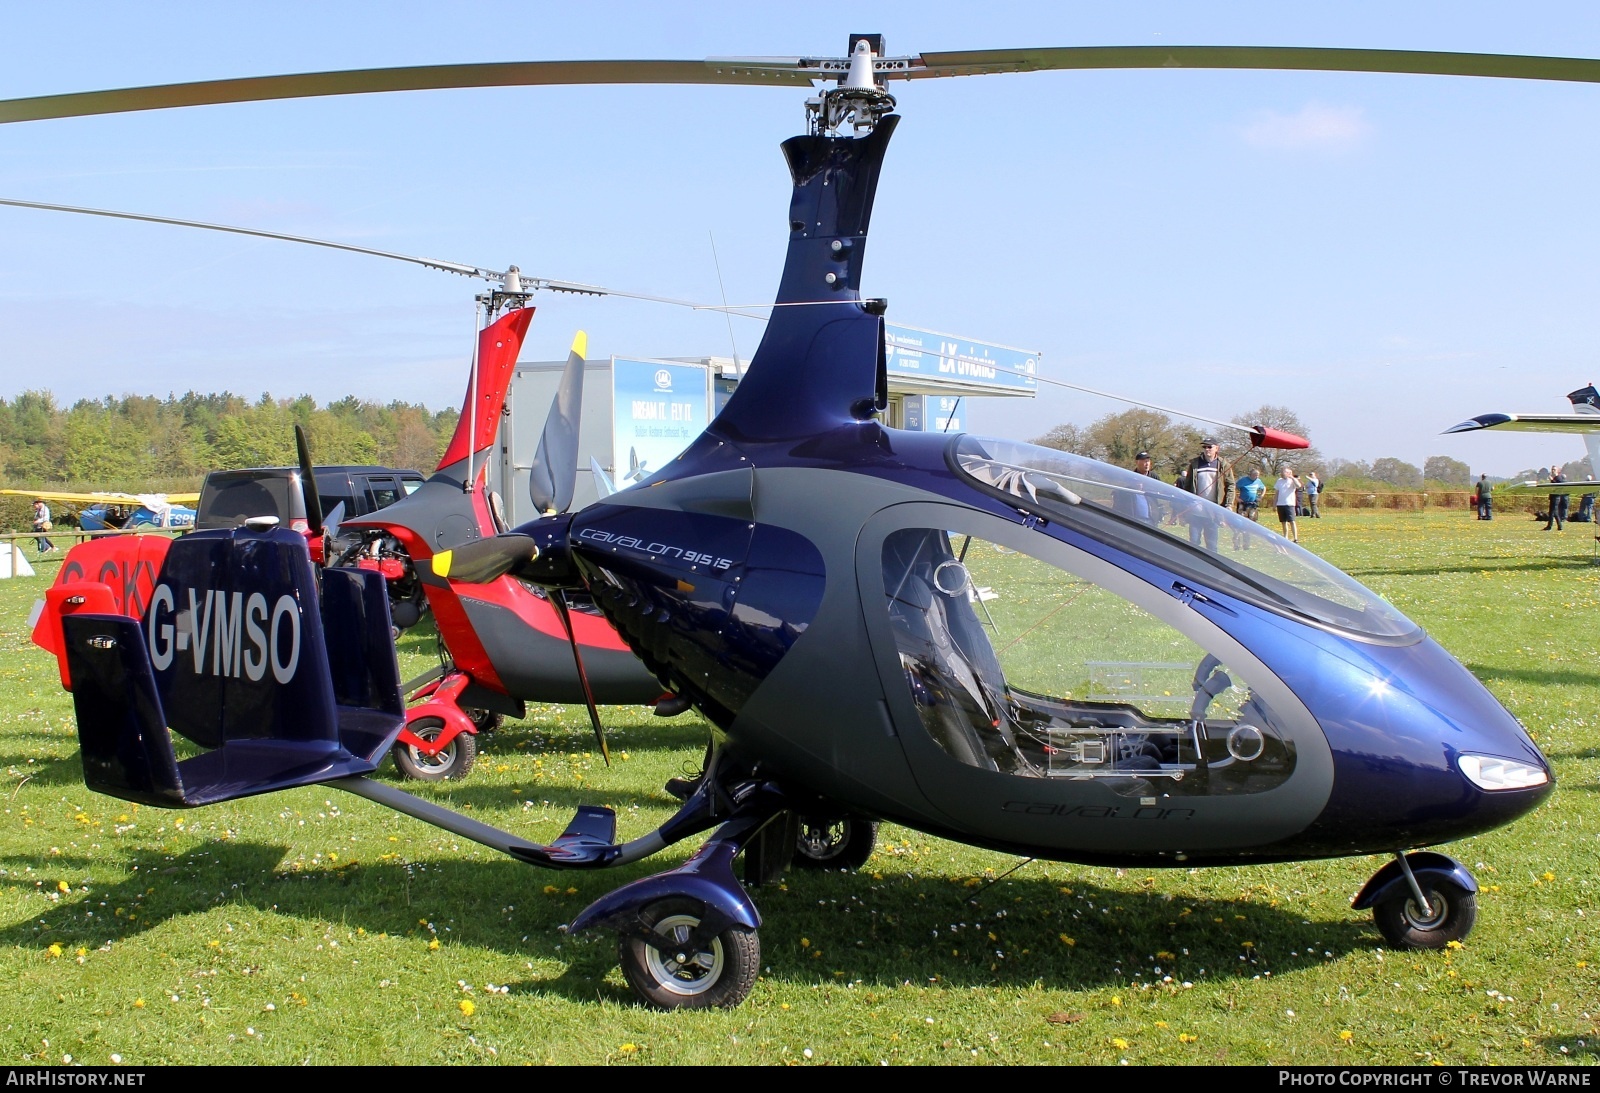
(229, 498)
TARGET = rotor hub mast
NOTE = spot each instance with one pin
(860, 100)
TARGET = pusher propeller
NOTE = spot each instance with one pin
(553, 475)
(308, 483)
(485, 560)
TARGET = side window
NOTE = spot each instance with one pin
(1020, 667)
(334, 489)
(383, 491)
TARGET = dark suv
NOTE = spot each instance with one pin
(229, 498)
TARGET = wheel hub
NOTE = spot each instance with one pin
(682, 970)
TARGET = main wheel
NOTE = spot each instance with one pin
(1452, 910)
(486, 720)
(453, 761)
(668, 970)
(834, 844)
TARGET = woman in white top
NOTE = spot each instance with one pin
(1288, 487)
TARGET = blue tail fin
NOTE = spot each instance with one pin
(286, 679)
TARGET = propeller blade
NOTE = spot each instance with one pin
(1263, 437)
(333, 519)
(793, 72)
(308, 482)
(559, 602)
(483, 560)
(553, 475)
(602, 481)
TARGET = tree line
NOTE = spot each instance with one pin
(141, 443)
(1119, 437)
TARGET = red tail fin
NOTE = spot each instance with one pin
(498, 346)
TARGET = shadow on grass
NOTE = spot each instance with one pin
(1493, 564)
(819, 929)
(67, 770)
(1543, 676)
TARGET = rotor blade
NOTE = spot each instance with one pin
(1260, 435)
(559, 602)
(773, 72)
(431, 263)
(308, 482)
(482, 560)
(553, 475)
(792, 72)
(1280, 58)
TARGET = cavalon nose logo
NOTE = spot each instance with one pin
(225, 634)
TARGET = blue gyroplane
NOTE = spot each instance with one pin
(995, 643)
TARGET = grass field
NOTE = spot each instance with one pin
(314, 927)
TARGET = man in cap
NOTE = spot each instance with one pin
(1211, 479)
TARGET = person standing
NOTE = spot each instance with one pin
(1485, 494)
(1211, 479)
(41, 523)
(1313, 486)
(1558, 503)
(1251, 490)
(1288, 494)
(1144, 506)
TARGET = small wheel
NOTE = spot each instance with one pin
(834, 844)
(1452, 912)
(487, 721)
(718, 972)
(452, 762)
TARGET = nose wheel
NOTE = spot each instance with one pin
(674, 964)
(1421, 901)
(1449, 916)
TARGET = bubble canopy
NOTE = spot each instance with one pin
(1179, 532)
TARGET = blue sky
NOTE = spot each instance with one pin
(1385, 254)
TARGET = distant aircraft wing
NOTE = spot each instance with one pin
(109, 498)
(1530, 423)
(1581, 485)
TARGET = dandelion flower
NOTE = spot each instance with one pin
(54, 950)
(1346, 1034)
(433, 945)
(1119, 1043)
(628, 1049)
(63, 886)
(467, 1008)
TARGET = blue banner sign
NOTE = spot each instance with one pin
(927, 357)
(657, 409)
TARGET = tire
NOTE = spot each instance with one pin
(718, 976)
(487, 721)
(453, 762)
(834, 844)
(1404, 925)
